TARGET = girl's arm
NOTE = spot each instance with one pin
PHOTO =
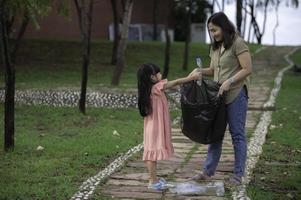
(193, 76)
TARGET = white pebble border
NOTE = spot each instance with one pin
(88, 187)
(258, 139)
(68, 98)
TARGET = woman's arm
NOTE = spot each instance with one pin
(208, 71)
(246, 64)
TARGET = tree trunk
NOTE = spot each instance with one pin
(256, 29)
(245, 21)
(167, 54)
(215, 2)
(277, 22)
(254, 23)
(19, 37)
(155, 19)
(9, 24)
(249, 32)
(238, 15)
(188, 38)
(9, 105)
(223, 5)
(123, 41)
(116, 32)
(85, 19)
(123, 5)
(261, 33)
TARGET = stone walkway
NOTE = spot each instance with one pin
(131, 181)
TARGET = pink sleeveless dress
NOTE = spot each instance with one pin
(157, 127)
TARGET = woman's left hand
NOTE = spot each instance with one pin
(224, 87)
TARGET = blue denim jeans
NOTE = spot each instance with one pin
(236, 119)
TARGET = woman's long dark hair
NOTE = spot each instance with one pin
(221, 20)
(145, 86)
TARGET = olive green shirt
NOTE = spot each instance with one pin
(226, 65)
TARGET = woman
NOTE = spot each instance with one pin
(231, 65)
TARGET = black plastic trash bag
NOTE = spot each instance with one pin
(203, 112)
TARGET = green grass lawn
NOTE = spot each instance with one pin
(296, 57)
(278, 172)
(56, 64)
(76, 147)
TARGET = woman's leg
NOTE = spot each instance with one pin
(212, 159)
(152, 170)
(236, 116)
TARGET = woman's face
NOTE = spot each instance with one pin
(216, 32)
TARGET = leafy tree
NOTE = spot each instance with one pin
(9, 11)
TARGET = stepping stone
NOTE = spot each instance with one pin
(120, 182)
(134, 195)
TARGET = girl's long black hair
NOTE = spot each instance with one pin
(229, 32)
(145, 86)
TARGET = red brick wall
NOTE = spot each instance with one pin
(56, 26)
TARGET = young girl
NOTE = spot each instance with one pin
(153, 106)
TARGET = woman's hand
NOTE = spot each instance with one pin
(195, 74)
(224, 87)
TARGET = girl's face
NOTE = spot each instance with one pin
(216, 32)
(157, 77)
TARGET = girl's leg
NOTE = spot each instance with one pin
(212, 159)
(152, 170)
(236, 116)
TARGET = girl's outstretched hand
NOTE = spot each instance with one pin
(195, 74)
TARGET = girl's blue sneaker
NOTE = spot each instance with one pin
(157, 186)
(163, 181)
(160, 185)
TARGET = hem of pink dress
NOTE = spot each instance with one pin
(161, 154)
